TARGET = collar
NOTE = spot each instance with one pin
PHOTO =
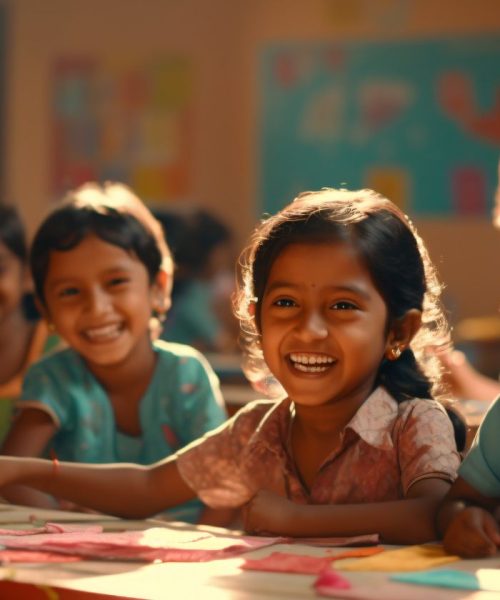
(374, 419)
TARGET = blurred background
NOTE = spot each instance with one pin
(236, 106)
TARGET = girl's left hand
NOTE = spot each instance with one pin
(267, 513)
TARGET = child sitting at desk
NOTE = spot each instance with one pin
(24, 337)
(101, 268)
(339, 300)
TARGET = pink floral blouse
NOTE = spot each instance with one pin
(384, 450)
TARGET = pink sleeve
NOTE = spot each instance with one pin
(211, 466)
(426, 444)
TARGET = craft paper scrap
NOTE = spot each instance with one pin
(154, 544)
(483, 579)
(330, 581)
(30, 556)
(286, 562)
(411, 558)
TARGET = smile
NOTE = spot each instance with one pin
(311, 363)
(105, 333)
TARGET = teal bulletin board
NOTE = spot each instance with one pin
(418, 121)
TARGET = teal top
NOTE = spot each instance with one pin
(182, 403)
(481, 466)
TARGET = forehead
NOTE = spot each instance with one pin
(90, 256)
(319, 262)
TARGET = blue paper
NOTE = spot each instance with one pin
(450, 578)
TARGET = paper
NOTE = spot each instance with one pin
(154, 544)
(411, 558)
(483, 579)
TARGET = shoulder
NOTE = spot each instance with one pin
(173, 351)
(65, 359)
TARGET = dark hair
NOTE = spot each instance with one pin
(70, 223)
(193, 234)
(12, 232)
(394, 255)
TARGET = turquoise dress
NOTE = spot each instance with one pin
(182, 403)
(481, 466)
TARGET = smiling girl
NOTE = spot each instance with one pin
(338, 300)
(102, 270)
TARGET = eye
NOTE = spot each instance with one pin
(285, 303)
(118, 281)
(344, 305)
(68, 292)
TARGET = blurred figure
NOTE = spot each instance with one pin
(466, 382)
(201, 314)
(24, 337)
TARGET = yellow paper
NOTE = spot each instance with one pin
(411, 558)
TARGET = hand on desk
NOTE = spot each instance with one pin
(267, 513)
(473, 533)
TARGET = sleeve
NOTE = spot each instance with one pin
(481, 466)
(42, 390)
(201, 407)
(426, 444)
(212, 466)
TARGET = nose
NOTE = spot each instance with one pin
(97, 301)
(313, 326)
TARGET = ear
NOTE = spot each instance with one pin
(42, 309)
(402, 332)
(161, 289)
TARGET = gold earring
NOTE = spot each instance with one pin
(395, 353)
(51, 327)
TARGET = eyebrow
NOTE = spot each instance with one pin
(72, 278)
(351, 288)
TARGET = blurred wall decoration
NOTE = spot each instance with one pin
(417, 120)
(122, 122)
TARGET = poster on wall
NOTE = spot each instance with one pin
(418, 121)
(122, 122)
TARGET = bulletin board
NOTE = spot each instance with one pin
(122, 121)
(418, 121)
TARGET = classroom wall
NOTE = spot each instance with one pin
(223, 39)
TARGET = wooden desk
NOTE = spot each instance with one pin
(214, 580)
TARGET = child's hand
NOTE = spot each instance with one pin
(268, 513)
(473, 533)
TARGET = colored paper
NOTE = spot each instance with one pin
(411, 558)
(483, 579)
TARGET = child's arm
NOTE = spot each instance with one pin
(466, 523)
(29, 436)
(125, 490)
(407, 521)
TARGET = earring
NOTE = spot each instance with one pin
(395, 353)
(51, 327)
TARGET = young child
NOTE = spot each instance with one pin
(101, 268)
(24, 337)
(339, 300)
(469, 515)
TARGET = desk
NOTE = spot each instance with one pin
(214, 580)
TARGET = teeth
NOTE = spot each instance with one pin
(311, 359)
(311, 363)
(105, 332)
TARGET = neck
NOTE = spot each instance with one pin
(135, 372)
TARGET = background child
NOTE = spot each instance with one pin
(469, 515)
(339, 300)
(100, 273)
(24, 337)
(204, 280)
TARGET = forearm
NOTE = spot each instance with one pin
(409, 521)
(26, 496)
(122, 490)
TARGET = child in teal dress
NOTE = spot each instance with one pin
(101, 269)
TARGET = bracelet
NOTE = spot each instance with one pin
(55, 463)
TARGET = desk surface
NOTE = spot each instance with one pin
(218, 579)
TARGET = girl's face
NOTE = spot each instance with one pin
(100, 300)
(14, 283)
(323, 324)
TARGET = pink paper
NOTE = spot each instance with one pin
(329, 582)
(155, 544)
(370, 539)
(284, 562)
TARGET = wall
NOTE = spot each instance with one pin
(223, 38)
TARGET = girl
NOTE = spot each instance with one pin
(338, 299)
(99, 273)
(24, 337)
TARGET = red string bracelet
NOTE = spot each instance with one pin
(55, 462)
